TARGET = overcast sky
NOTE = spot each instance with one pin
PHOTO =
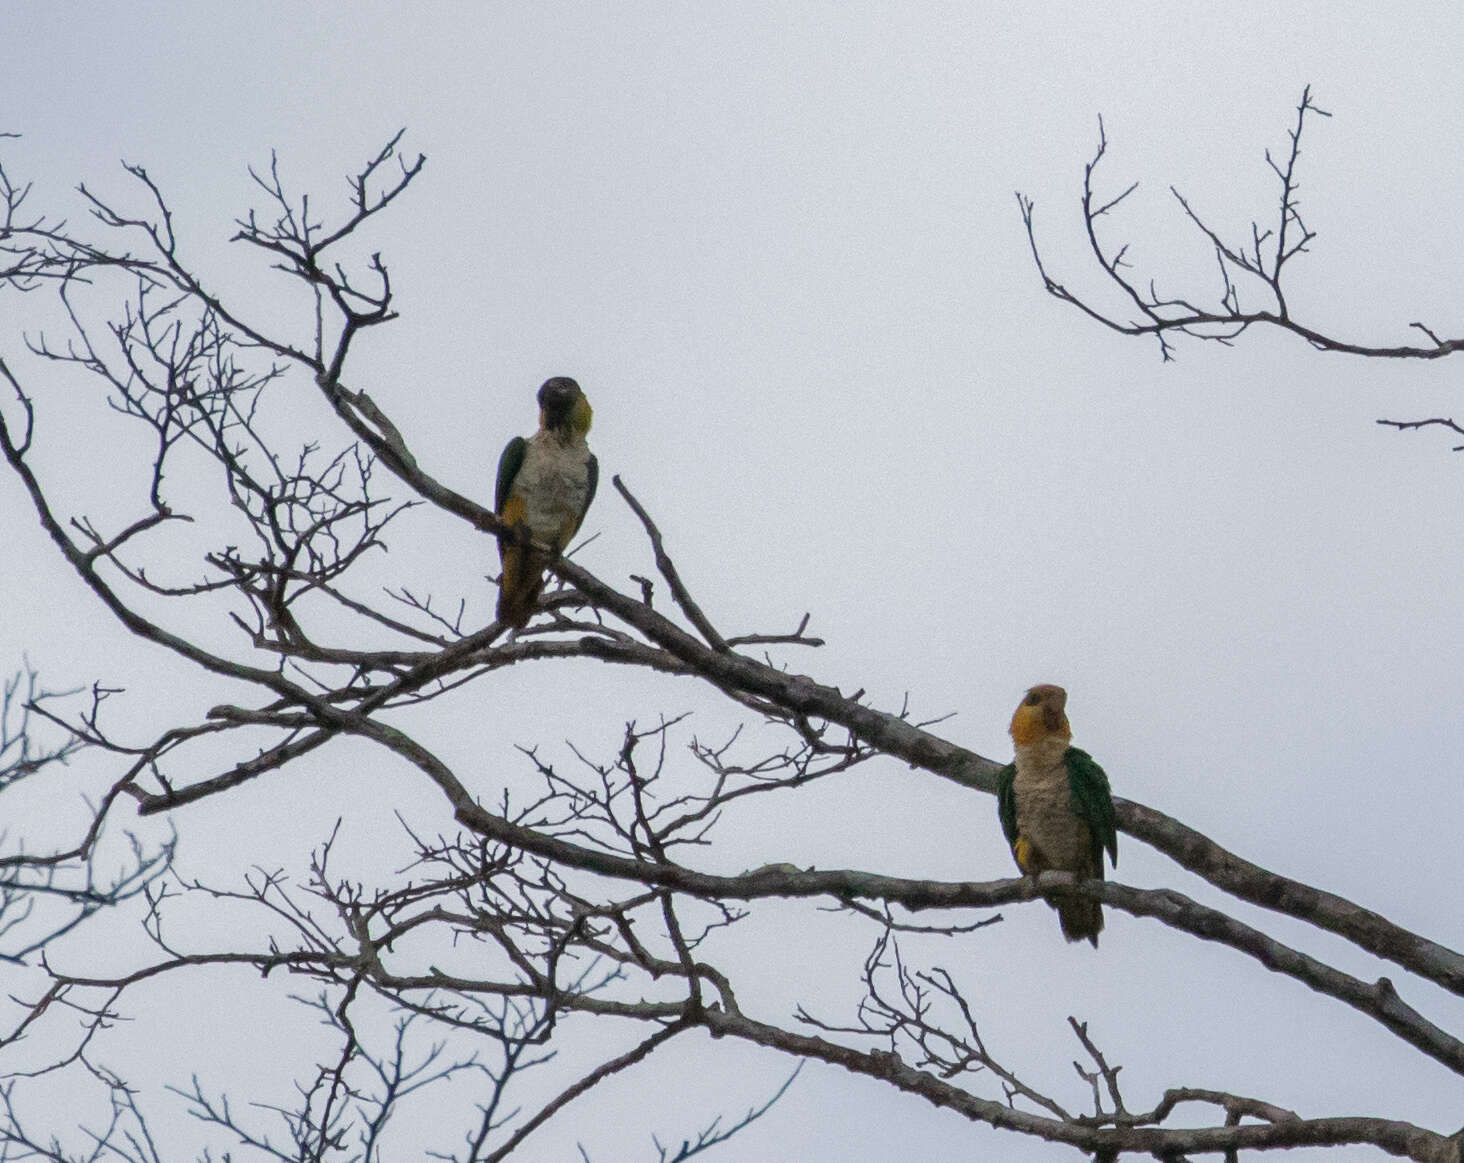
(778, 246)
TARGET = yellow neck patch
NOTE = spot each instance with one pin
(580, 418)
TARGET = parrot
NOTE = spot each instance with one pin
(1055, 806)
(545, 485)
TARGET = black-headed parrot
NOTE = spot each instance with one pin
(545, 485)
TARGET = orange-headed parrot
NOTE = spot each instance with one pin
(545, 485)
(1055, 806)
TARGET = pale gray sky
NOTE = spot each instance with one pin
(778, 246)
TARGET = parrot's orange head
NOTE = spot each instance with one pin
(1041, 716)
(563, 407)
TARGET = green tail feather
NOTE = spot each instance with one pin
(1081, 920)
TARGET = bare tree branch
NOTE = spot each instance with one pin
(580, 894)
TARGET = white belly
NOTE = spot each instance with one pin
(1045, 817)
(553, 483)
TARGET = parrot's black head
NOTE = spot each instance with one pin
(563, 406)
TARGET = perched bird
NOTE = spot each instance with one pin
(1055, 806)
(545, 485)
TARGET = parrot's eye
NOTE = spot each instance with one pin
(1033, 699)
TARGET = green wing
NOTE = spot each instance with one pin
(1092, 803)
(508, 467)
(1006, 800)
(594, 467)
